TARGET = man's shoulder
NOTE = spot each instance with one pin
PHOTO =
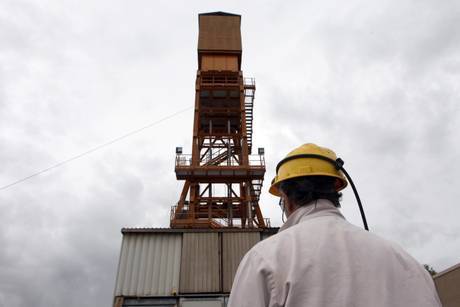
(280, 242)
(261, 246)
(315, 233)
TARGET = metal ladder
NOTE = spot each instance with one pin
(249, 92)
(256, 189)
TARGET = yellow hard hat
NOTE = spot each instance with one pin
(308, 160)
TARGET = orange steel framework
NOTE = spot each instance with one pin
(223, 180)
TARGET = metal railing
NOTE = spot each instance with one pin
(219, 79)
(179, 215)
(249, 82)
(267, 222)
(185, 160)
(223, 221)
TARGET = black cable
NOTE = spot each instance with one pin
(363, 216)
(283, 209)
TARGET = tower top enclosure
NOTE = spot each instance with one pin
(219, 33)
(223, 180)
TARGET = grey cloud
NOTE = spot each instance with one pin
(377, 83)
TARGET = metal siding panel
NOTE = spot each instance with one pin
(150, 267)
(447, 285)
(232, 63)
(136, 265)
(121, 268)
(149, 264)
(142, 266)
(200, 263)
(234, 247)
(219, 33)
(148, 281)
(219, 62)
(156, 267)
(177, 263)
(207, 63)
(129, 264)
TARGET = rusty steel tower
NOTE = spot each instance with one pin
(223, 180)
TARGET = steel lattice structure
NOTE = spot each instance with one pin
(223, 180)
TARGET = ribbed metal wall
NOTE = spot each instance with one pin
(448, 285)
(149, 264)
(219, 33)
(200, 263)
(234, 247)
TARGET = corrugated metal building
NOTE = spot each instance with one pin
(181, 267)
(448, 285)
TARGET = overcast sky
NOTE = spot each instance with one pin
(376, 81)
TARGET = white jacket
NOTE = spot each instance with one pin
(319, 259)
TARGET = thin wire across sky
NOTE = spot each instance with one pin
(96, 148)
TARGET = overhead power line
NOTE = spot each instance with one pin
(124, 136)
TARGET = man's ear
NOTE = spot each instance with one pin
(290, 207)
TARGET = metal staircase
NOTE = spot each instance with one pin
(220, 156)
(256, 189)
(249, 92)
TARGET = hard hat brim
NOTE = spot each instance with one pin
(341, 183)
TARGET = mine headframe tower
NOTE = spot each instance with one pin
(222, 180)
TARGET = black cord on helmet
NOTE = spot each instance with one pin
(339, 166)
(283, 209)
